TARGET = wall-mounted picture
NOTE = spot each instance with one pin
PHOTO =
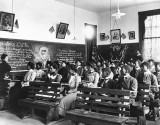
(123, 36)
(6, 21)
(102, 36)
(62, 29)
(115, 36)
(131, 35)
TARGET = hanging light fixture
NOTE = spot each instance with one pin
(74, 38)
(118, 14)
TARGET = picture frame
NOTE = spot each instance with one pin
(115, 36)
(62, 30)
(102, 36)
(131, 35)
(6, 21)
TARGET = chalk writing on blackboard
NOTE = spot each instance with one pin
(18, 53)
(68, 55)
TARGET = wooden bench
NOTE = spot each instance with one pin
(94, 106)
(42, 96)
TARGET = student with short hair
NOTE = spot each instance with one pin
(136, 69)
(127, 82)
(147, 77)
(106, 81)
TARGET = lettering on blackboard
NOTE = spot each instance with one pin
(68, 55)
(20, 52)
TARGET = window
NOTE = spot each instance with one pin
(151, 44)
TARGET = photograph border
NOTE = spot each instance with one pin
(102, 36)
(116, 32)
(131, 37)
(62, 35)
(4, 28)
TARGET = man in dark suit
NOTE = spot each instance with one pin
(5, 68)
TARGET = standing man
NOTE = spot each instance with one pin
(5, 68)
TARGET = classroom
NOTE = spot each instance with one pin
(79, 62)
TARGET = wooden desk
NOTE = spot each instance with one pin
(99, 108)
(18, 75)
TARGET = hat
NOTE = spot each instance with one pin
(3, 56)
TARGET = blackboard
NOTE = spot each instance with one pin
(118, 52)
(20, 52)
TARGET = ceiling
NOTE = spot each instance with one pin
(103, 5)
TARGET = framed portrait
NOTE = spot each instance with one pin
(115, 36)
(102, 36)
(131, 35)
(6, 21)
(62, 29)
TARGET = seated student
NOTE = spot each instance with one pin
(99, 69)
(4, 67)
(92, 77)
(152, 65)
(136, 69)
(146, 77)
(39, 71)
(21, 92)
(52, 75)
(71, 95)
(48, 64)
(157, 73)
(127, 82)
(106, 81)
(138, 56)
(79, 67)
(63, 71)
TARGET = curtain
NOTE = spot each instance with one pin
(151, 44)
(144, 44)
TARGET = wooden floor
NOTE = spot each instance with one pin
(7, 118)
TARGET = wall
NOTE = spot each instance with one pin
(127, 23)
(35, 17)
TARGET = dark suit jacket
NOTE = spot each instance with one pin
(4, 69)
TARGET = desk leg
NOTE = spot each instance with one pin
(32, 112)
(141, 120)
